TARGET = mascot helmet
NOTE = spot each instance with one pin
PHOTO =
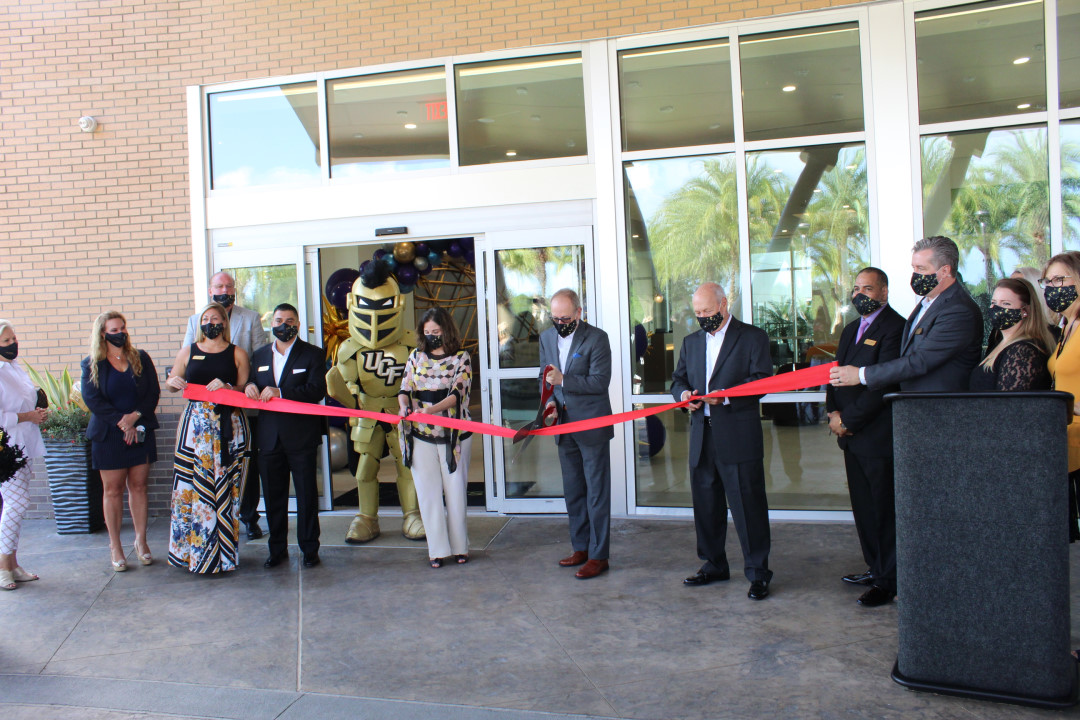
(375, 307)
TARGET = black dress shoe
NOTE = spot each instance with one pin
(275, 560)
(759, 590)
(311, 561)
(703, 578)
(254, 531)
(876, 597)
(863, 578)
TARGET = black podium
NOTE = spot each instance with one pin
(982, 546)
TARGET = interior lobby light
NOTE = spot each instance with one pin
(788, 88)
(511, 153)
(410, 126)
(1021, 60)
(1023, 106)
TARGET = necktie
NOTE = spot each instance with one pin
(863, 324)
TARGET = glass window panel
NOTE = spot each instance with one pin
(391, 122)
(264, 288)
(989, 191)
(801, 82)
(980, 60)
(525, 279)
(682, 217)
(676, 95)
(809, 231)
(521, 109)
(264, 136)
(804, 469)
(1070, 183)
(1069, 52)
(530, 474)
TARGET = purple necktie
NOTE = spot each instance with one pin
(863, 324)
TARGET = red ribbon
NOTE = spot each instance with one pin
(797, 380)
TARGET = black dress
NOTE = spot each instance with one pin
(1020, 366)
(113, 453)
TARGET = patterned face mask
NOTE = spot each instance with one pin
(224, 300)
(923, 284)
(1004, 318)
(712, 323)
(284, 332)
(864, 304)
(434, 342)
(566, 329)
(213, 330)
(1059, 299)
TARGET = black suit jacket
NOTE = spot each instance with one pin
(736, 428)
(103, 414)
(303, 379)
(939, 355)
(864, 411)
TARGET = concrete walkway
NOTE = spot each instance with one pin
(374, 633)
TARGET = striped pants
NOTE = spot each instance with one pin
(16, 494)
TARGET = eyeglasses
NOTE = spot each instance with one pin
(562, 320)
(1057, 281)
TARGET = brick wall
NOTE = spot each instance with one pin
(90, 222)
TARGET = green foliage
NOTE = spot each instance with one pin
(58, 390)
(66, 420)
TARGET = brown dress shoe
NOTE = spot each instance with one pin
(575, 558)
(591, 569)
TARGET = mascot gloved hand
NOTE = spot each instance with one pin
(367, 375)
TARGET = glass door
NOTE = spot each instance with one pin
(521, 271)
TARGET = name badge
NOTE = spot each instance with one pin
(918, 331)
(869, 342)
(263, 368)
(297, 371)
(198, 357)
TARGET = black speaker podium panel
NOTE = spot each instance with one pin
(982, 546)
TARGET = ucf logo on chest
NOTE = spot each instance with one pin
(383, 366)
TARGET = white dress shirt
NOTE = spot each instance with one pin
(18, 395)
(280, 359)
(564, 349)
(713, 342)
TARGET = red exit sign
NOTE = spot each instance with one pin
(436, 110)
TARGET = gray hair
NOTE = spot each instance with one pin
(4, 325)
(943, 250)
(569, 295)
(716, 288)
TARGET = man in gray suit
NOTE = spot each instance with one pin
(246, 331)
(942, 339)
(580, 357)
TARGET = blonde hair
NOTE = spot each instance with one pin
(1032, 275)
(98, 350)
(1032, 328)
(199, 335)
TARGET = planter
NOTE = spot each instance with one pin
(74, 486)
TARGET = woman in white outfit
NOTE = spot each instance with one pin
(19, 419)
(437, 381)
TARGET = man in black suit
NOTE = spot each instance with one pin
(292, 369)
(579, 355)
(726, 447)
(862, 422)
(943, 336)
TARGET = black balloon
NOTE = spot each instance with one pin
(422, 249)
(455, 250)
(342, 275)
(339, 295)
(407, 274)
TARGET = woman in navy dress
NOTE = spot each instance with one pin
(211, 451)
(120, 387)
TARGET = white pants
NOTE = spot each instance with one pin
(445, 526)
(16, 494)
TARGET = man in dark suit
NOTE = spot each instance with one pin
(292, 369)
(862, 422)
(943, 336)
(580, 357)
(726, 447)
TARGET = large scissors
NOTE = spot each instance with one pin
(544, 416)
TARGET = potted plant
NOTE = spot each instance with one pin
(74, 486)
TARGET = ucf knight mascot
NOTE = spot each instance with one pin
(367, 375)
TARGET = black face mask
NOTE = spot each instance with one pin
(712, 323)
(434, 342)
(284, 332)
(10, 352)
(923, 284)
(864, 304)
(225, 301)
(116, 339)
(1059, 299)
(1004, 318)
(566, 329)
(212, 330)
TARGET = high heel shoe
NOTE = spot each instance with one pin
(119, 565)
(144, 558)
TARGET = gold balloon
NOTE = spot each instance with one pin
(404, 252)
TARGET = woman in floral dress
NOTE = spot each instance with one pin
(211, 451)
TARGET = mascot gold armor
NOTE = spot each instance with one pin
(367, 375)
